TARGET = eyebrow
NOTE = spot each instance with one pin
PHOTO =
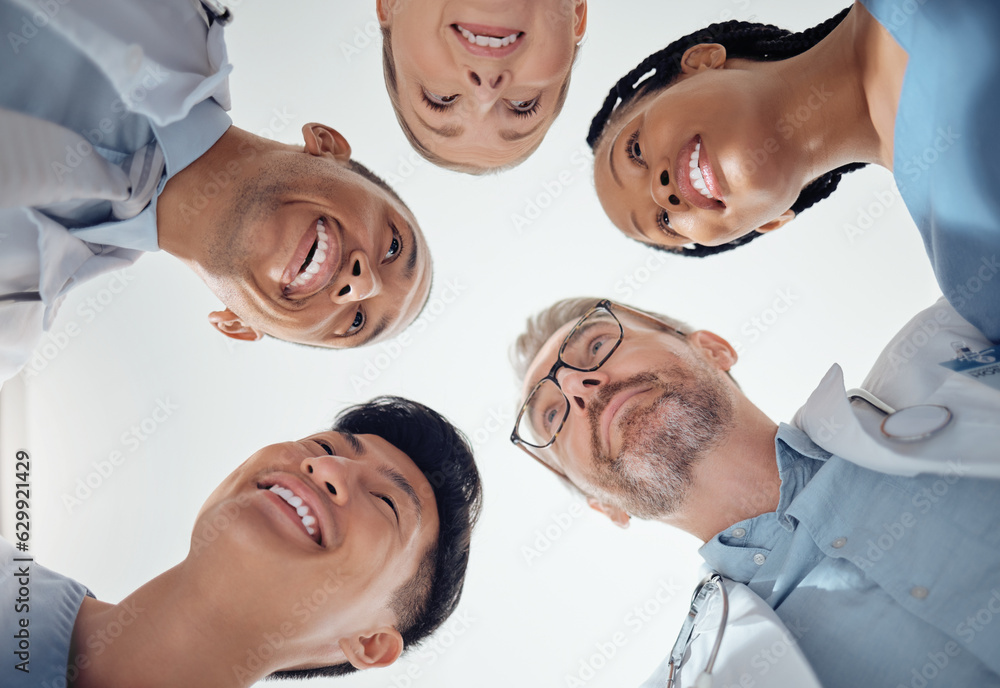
(512, 135)
(611, 157)
(449, 131)
(375, 331)
(411, 260)
(353, 440)
(635, 223)
(400, 481)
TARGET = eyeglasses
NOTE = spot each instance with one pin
(588, 346)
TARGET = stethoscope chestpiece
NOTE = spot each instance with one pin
(910, 424)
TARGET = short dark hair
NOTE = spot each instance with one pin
(749, 40)
(392, 88)
(443, 454)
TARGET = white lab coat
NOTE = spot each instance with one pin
(757, 648)
(128, 40)
(907, 373)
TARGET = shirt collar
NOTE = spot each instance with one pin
(189, 138)
(733, 551)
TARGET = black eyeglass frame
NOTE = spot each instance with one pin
(603, 305)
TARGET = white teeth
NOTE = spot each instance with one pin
(322, 244)
(491, 41)
(308, 520)
(697, 180)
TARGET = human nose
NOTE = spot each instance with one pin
(579, 387)
(357, 281)
(663, 189)
(487, 83)
(331, 475)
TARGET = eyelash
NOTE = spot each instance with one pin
(387, 500)
(662, 219)
(630, 145)
(526, 113)
(399, 245)
(437, 107)
(326, 447)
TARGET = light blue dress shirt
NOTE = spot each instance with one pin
(51, 79)
(946, 159)
(883, 580)
(48, 603)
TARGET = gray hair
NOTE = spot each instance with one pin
(541, 326)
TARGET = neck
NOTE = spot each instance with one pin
(169, 633)
(198, 198)
(737, 480)
(836, 102)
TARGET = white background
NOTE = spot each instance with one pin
(526, 620)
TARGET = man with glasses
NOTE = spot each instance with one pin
(639, 413)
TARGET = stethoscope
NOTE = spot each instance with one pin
(702, 593)
(910, 424)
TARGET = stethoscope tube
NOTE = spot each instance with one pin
(702, 592)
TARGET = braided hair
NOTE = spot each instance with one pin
(761, 42)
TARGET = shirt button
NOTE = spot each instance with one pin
(133, 58)
(920, 592)
(739, 532)
(759, 559)
(839, 542)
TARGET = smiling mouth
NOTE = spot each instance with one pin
(313, 264)
(294, 504)
(695, 177)
(488, 39)
(616, 403)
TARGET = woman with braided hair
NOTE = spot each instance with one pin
(703, 146)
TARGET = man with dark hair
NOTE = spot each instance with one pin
(116, 141)
(838, 521)
(316, 557)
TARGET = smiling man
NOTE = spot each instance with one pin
(888, 566)
(116, 141)
(313, 558)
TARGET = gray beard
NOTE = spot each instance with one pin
(652, 473)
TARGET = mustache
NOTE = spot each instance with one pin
(604, 397)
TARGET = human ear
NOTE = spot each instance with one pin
(703, 56)
(779, 221)
(385, 9)
(714, 348)
(229, 324)
(323, 140)
(374, 650)
(579, 20)
(617, 515)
